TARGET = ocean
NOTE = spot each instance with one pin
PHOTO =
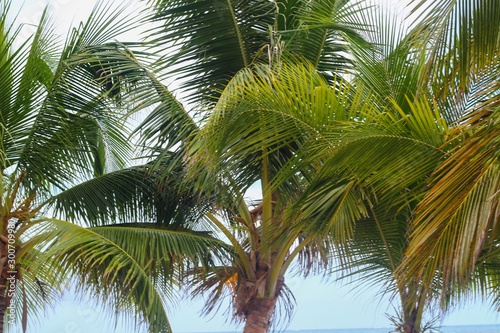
(444, 329)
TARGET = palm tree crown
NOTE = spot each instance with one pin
(72, 207)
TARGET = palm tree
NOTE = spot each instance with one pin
(455, 233)
(385, 154)
(371, 165)
(236, 145)
(72, 208)
(326, 192)
(209, 43)
(256, 133)
(452, 224)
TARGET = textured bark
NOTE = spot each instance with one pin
(259, 310)
(259, 313)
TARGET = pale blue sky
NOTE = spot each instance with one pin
(319, 305)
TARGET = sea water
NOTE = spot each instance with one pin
(444, 329)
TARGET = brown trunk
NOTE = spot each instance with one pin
(258, 318)
(259, 310)
(413, 301)
(410, 324)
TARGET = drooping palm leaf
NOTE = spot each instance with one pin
(455, 222)
(123, 195)
(134, 267)
(380, 152)
(132, 194)
(63, 122)
(267, 115)
(459, 215)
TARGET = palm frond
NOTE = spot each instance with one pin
(461, 37)
(461, 103)
(132, 194)
(24, 71)
(459, 215)
(358, 171)
(326, 32)
(166, 128)
(391, 68)
(265, 113)
(125, 195)
(61, 105)
(133, 267)
(212, 39)
(35, 292)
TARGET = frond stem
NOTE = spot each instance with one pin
(239, 250)
(241, 42)
(267, 198)
(278, 268)
(296, 251)
(386, 244)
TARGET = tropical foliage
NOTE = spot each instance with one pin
(375, 147)
(254, 133)
(207, 42)
(356, 185)
(73, 208)
(468, 211)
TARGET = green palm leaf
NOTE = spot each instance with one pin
(460, 208)
(326, 31)
(266, 114)
(209, 42)
(462, 38)
(212, 40)
(123, 195)
(131, 194)
(64, 144)
(131, 266)
(54, 109)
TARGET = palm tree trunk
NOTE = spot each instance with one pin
(413, 304)
(410, 322)
(260, 311)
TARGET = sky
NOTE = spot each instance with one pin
(320, 305)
